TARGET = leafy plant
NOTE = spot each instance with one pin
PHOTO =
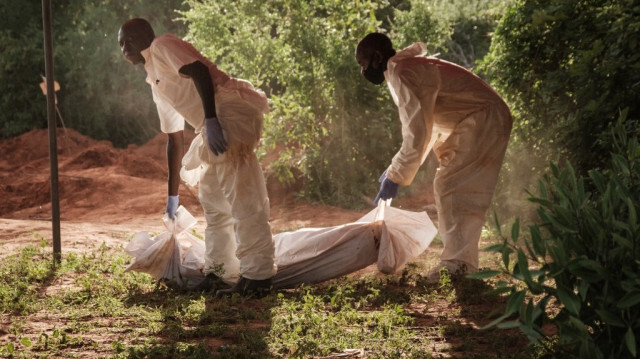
(567, 68)
(100, 94)
(584, 255)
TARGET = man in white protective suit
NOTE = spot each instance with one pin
(443, 107)
(227, 115)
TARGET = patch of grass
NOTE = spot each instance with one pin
(88, 306)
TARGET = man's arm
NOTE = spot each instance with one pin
(199, 73)
(417, 88)
(175, 151)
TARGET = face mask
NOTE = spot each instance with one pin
(374, 75)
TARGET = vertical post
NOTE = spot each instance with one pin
(51, 120)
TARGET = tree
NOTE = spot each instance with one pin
(568, 68)
(101, 95)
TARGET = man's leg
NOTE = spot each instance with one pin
(464, 187)
(220, 238)
(244, 187)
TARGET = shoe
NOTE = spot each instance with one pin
(247, 287)
(211, 282)
(453, 269)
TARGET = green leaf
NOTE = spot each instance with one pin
(496, 321)
(523, 265)
(531, 333)
(629, 300)
(484, 274)
(622, 241)
(620, 163)
(497, 223)
(633, 217)
(536, 241)
(515, 302)
(587, 269)
(630, 339)
(26, 342)
(569, 301)
(10, 348)
(598, 180)
(515, 230)
(510, 324)
(494, 248)
(610, 318)
(526, 313)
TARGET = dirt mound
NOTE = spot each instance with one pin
(99, 155)
(96, 180)
(100, 183)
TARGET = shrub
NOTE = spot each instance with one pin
(567, 67)
(583, 255)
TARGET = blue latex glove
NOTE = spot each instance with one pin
(388, 189)
(172, 206)
(217, 143)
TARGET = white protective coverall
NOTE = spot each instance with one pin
(445, 107)
(232, 189)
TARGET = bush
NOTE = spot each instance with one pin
(567, 67)
(336, 131)
(584, 255)
(101, 95)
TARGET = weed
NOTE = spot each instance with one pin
(93, 306)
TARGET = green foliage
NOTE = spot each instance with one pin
(22, 105)
(584, 254)
(333, 131)
(460, 30)
(567, 68)
(337, 131)
(89, 305)
(17, 273)
(101, 95)
(425, 21)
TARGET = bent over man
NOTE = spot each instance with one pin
(443, 107)
(227, 115)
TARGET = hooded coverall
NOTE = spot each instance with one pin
(232, 189)
(444, 107)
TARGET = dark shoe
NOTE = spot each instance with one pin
(211, 282)
(247, 287)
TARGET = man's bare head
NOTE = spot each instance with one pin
(134, 36)
(372, 53)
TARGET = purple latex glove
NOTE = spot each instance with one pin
(388, 189)
(172, 206)
(217, 143)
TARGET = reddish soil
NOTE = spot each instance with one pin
(108, 193)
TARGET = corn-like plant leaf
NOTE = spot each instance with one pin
(633, 216)
(537, 242)
(569, 300)
(515, 230)
(620, 163)
(510, 324)
(598, 180)
(494, 248)
(630, 340)
(610, 318)
(484, 274)
(496, 321)
(515, 302)
(629, 300)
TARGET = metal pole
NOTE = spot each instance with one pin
(51, 120)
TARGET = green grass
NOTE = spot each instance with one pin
(88, 306)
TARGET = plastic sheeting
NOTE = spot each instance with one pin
(174, 257)
(387, 236)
